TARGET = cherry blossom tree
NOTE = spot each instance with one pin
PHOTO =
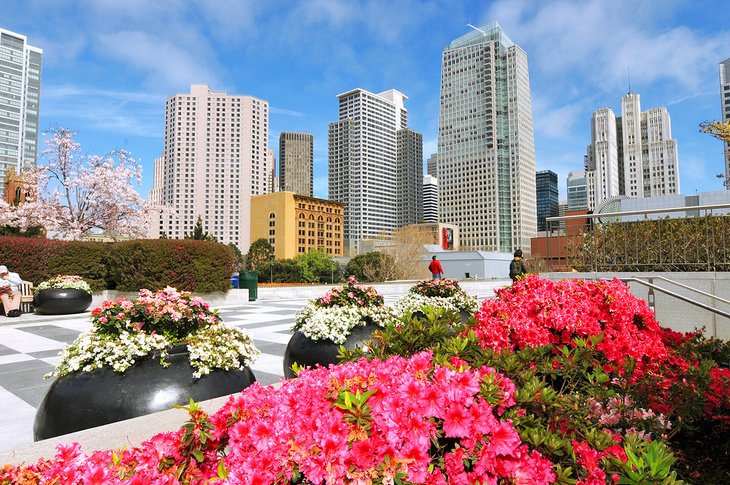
(77, 193)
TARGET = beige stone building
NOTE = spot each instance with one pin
(215, 158)
(294, 224)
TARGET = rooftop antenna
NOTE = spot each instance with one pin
(628, 75)
(476, 28)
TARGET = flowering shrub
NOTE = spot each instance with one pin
(400, 421)
(534, 312)
(433, 287)
(64, 281)
(333, 316)
(125, 330)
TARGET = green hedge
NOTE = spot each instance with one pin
(200, 266)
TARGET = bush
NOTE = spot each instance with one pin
(191, 265)
(317, 267)
(282, 271)
(87, 259)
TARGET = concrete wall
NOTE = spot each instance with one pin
(670, 311)
(231, 297)
(478, 264)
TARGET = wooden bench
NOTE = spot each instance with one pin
(26, 297)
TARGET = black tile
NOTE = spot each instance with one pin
(53, 332)
(42, 354)
(22, 367)
(35, 394)
(265, 379)
(27, 378)
(7, 350)
(272, 348)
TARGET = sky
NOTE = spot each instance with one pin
(109, 66)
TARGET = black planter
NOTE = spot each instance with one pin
(83, 400)
(307, 352)
(59, 301)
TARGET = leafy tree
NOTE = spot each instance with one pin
(239, 261)
(317, 267)
(198, 233)
(260, 254)
(73, 194)
(281, 271)
(373, 266)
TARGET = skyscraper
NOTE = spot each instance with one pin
(486, 155)
(296, 163)
(430, 199)
(215, 158)
(364, 159)
(20, 86)
(725, 98)
(577, 191)
(431, 164)
(409, 177)
(546, 182)
(633, 155)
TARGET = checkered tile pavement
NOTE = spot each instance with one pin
(29, 347)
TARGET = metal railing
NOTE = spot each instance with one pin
(644, 240)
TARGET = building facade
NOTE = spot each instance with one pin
(633, 155)
(20, 87)
(295, 224)
(215, 158)
(546, 183)
(296, 163)
(725, 98)
(486, 155)
(430, 199)
(431, 164)
(577, 191)
(364, 161)
(409, 177)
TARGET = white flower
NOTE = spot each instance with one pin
(336, 323)
(413, 302)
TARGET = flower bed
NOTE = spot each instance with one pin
(125, 330)
(333, 316)
(446, 294)
(64, 281)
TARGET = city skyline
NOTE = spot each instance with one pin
(109, 79)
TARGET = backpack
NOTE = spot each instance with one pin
(515, 269)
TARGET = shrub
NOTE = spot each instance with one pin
(191, 265)
(84, 258)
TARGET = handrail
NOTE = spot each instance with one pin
(704, 293)
(678, 296)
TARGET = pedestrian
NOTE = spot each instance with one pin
(10, 292)
(437, 271)
(517, 267)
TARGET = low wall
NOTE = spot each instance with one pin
(231, 297)
(670, 311)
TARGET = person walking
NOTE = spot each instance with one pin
(437, 271)
(517, 267)
(10, 292)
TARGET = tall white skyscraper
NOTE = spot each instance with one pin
(486, 148)
(633, 156)
(725, 98)
(20, 86)
(364, 160)
(215, 158)
(430, 199)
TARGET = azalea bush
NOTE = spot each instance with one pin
(333, 316)
(126, 330)
(64, 281)
(446, 294)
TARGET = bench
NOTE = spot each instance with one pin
(26, 297)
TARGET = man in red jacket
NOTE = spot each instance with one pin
(435, 268)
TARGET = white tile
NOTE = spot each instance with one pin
(9, 359)
(271, 364)
(26, 342)
(17, 422)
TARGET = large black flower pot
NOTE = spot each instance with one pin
(83, 400)
(308, 353)
(59, 301)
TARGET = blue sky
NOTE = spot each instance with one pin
(109, 65)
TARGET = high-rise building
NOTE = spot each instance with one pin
(546, 183)
(409, 177)
(273, 182)
(430, 199)
(577, 191)
(296, 163)
(486, 154)
(215, 158)
(725, 98)
(20, 87)
(633, 155)
(364, 159)
(431, 164)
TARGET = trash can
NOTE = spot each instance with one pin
(250, 281)
(234, 280)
